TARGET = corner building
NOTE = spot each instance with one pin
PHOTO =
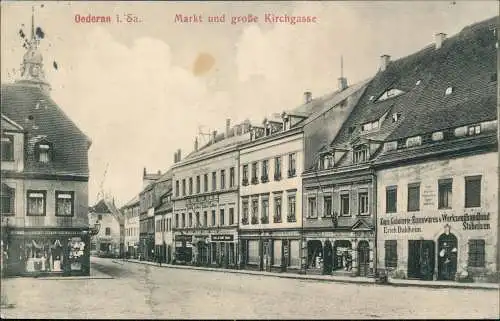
(437, 178)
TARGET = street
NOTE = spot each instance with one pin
(139, 291)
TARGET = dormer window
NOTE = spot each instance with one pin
(448, 91)
(43, 151)
(7, 148)
(414, 141)
(370, 126)
(327, 161)
(418, 82)
(437, 136)
(395, 117)
(390, 94)
(360, 154)
(474, 130)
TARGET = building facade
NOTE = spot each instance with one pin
(131, 226)
(438, 175)
(108, 242)
(205, 212)
(163, 219)
(44, 179)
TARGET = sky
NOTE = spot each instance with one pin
(142, 90)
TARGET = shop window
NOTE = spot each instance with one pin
(231, 177)
(205, 183)
(65, 203)
(413, 197)
(223, 179)
(277, 209)
(214, 181)
(231, 216)
(391, 253)
(36, 203)
(344, 204)
(363, 203)
(311, 204)
(444, 193)
(253, 251)
(476, 253)
(7, 148)
(327, 206)
(473, 191)
(213, 217)
(391, 194)
(291, 217)
(7, 199)
(108, 231)
(222, 217)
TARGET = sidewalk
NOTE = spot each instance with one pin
(331, 278)
(94, 275)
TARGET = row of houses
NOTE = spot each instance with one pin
(397, 173)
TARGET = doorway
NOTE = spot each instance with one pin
(363, 258)
(328, 258)
(447, 256)
(421, 259)
(341, 255)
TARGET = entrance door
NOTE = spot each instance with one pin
(363, 258)
(328, 258)
(421, 259)
(447, 256)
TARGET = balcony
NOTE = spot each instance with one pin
(291, 173)
(277, 176)
(244, 182)
(264, 178)
(255, 180)
(264, 220)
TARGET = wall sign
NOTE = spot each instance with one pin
(202, 201)
(414, 224)
(222, 238)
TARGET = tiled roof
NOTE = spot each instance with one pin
(467, 62)
(220, 146)
(100, 207)
(40, 116)
(133, 201)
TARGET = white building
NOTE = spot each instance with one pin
(131, 214)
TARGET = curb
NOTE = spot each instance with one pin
(312, 278)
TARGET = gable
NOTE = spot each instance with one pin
(10, 125)
(362, 225)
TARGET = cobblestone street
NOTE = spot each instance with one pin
(144, 291)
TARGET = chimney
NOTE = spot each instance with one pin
(342, 83)
(144, 172)
(196, 144)
(178, 155)
(384, 61)
(159, 172)
(307, 97)
(175, 158)
(228, 126)
(214, 133)
(438, 39)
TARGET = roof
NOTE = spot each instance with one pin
(100, 207)
(132, 202)
(105, 206)
(165, 177)
(467, 62)
(41, 118)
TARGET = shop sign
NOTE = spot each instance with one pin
(183, 238)
(222, 238)
(414, 224)
(202, 201)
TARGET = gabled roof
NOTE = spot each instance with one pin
(10, 125)
(108, 207)
(34, 110)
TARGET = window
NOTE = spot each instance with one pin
(393, 92)
(291, 209)
(183, 219)
(265, 211)
(177, 188)
(231, 177)
(363, 203)
(277, 168)
(255, 179)
(277, 209)
(190, 186)
(184, 187)
(213, 217)
(43, 151)
(205, 183)
(36, 202)
(222, 217)
(176, 220)
(7, 199)
(198, 183)
(473, 191)
(292, 159)
(413, 197)
(448, 91)
(391, 253)
(360, 154)
(444, 193)
(244, 206)
(245, 175)
(190, 220)
(65, 203)
(327, 161)
(344, 204)
(312, 213)
(205, 218)
(414, 141)
(231, 216)
(214, 181)
(395, 117)
(7, 148)
(108, 230)
(197, 217)
(99, 217)
(327, 206)
(255, 210)
(265, 171)
(476, 253)
(391, 194)
(222, 179)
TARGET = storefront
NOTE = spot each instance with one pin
(37, 252)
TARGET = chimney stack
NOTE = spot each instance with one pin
(342, 83)
(175, 157)
(439, 39)
(307, 97)
(384, 62)
(144, 172)
(159, 172)
(228, 126)
(196, 144)
(178, 155)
